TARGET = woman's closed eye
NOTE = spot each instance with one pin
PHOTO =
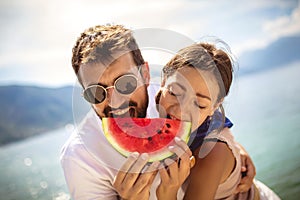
(199, 105)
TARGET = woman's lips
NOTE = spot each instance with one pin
(170, 116)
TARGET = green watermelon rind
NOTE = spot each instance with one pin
(158, 155)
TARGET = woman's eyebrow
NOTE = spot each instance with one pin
(197, 94)
(203, 96)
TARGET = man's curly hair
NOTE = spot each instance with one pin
(104, 43)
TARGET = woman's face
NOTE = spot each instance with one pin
(189, 95)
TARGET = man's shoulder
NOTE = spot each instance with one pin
(88, 129)
(72, 147)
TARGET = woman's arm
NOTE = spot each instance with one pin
(210, 171)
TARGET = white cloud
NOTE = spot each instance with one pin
(271, 30)
(285, 25)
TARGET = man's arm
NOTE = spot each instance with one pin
(84, 183)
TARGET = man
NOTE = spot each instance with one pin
(105, 60)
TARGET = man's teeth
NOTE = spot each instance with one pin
(120, 111)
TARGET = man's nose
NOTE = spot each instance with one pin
(114, 98)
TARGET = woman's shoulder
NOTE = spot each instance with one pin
(214, 164)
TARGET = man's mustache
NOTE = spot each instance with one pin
(108, 109)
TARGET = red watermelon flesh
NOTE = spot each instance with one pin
(144, 135)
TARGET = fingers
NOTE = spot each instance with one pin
(182, 151)
(134, 171)
(164, 176)
(250, 167)
(145, 179)
(247, 179)
(125, 168)
(153, 171)
(176, 172)
(172, 167)
(244, 185)
(243, 169)
(140, 163)
(243, 163)
(153, 167)
(131, 168)
(183, 145)
(131, 181)
(168, 173)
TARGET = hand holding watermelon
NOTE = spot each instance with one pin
(173, 176)
(142, 141)
(130, 182)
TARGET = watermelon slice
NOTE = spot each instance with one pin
(145, 135)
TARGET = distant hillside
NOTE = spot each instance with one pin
(28, 111)
(279, 53)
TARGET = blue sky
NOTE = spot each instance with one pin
(37, 36)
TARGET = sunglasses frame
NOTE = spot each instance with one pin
(108, 87)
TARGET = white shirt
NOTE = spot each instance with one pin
(90, 163)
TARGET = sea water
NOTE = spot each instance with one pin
(265, 110)
(30, 169)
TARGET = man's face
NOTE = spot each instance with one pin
(116, 104)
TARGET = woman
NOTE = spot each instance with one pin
(194, 85)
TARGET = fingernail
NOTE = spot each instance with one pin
(155, 164)
(168, 161)
(145, 156)
(171, 147)
(135, 154)
(177, 139)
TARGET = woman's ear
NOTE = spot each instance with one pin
(157, 96)
(146, 73)
(216, 106)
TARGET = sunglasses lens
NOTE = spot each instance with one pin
(126, 84)
(95, 94)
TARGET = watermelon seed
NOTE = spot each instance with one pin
(167, 131)
(168, 125)
(159, 131)
(126, 124)
(149, 138)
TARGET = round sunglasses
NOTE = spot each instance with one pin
(124, 85)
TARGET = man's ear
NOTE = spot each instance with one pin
(146, 73)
